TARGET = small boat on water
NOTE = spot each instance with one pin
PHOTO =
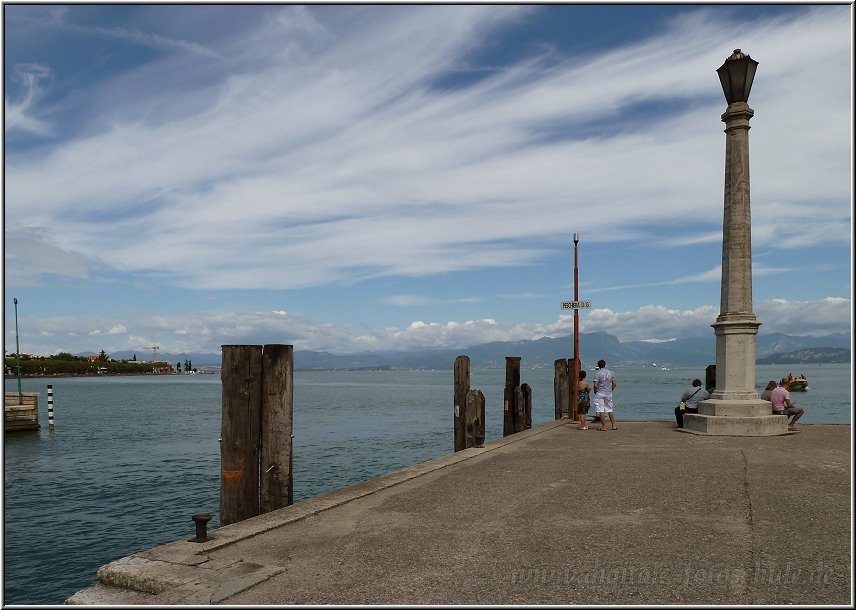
(800, 384)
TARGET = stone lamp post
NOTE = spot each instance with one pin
(734, 407)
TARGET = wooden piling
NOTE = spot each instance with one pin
(512, 371)
(462, 387)
(527, 405)
(241, 376)
(474, 419)
(275, 485)
(561, 387)
(512, 381)
(519, 409)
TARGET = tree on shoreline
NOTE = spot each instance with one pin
(66, 364)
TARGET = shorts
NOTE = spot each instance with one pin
(602, 404)
(792, 412)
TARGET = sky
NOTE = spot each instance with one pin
(353, 178)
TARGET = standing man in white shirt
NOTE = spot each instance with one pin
(604, 384)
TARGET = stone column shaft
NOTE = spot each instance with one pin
(736, 327)
(736, 295)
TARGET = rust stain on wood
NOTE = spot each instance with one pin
(231, 477)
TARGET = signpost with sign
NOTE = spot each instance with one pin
(576, 305)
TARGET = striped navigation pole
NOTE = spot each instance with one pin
(50, 408)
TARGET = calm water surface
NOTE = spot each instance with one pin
(132, 458)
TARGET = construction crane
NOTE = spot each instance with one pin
(154, 349)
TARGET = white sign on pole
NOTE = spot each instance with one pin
(576, 304)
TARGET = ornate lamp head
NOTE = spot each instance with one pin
(736, 76)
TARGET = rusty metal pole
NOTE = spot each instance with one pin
(575, 376)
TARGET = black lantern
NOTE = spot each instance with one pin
(736, 76)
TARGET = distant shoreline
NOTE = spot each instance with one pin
(64, 375)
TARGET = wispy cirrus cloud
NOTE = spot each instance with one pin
(711, 275)
(19, 115)
(348, 161)
(410, 300)
(148, 39)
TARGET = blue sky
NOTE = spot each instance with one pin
(355, 178)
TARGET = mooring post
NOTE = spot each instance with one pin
(571, 385)
(519, 409)
(241, 375)
(527, 405)
(276, 427)
(474, 419)
(50, 408)
(201, 520)
(512, 381)
(462, 386)
(561, 387)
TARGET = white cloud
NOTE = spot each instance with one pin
(411, 300)
(406, 300)
(342, 161)
(206, 332)
(31, 259)
(651, 322)
(823, 316)
(19, 115)
(711, 275)
(147, 39)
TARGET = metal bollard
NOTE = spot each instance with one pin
(50, 407)
(201, 520)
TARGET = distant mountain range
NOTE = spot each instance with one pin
(832, 355)
(545, 351)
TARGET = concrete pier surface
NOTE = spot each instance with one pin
(553, 515)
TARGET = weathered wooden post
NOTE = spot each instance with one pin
(571, 385)
(276, 427)
(561, 387)
(527, 405)
(512, 380)
(474, 419)
(519, 409)
(241, 375)
(462, 386)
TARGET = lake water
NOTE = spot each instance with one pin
(132, 458)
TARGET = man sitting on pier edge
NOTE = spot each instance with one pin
(691, 397)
